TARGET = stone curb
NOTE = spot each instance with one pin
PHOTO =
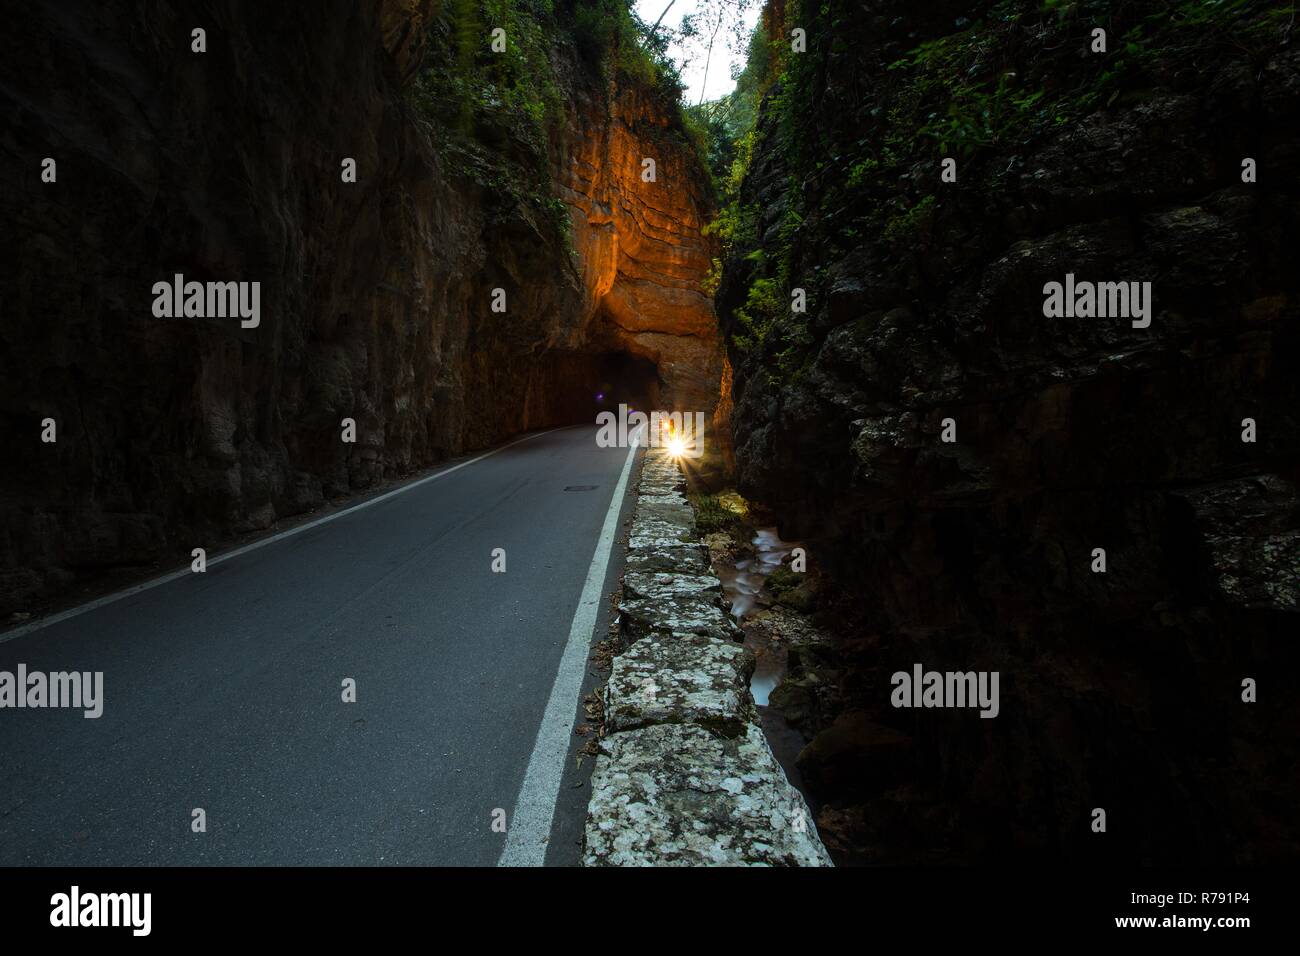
(684, 775)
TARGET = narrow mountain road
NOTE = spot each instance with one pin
(223, 690)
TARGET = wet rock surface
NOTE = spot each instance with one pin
(684, 775)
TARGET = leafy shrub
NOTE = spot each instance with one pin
(712, 515)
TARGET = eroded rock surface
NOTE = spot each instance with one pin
(669, 603)
(653, 555)
(643, 255)
(680, 795)
(661, 477)
(678, 679)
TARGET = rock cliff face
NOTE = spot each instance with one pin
(375, 295)
(1123, 689)
(639, 241)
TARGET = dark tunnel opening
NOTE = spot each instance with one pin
(624, 379)
(586, 384)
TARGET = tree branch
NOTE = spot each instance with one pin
(662, 15)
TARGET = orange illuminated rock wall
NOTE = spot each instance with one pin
(640, 251)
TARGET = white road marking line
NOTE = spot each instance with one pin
(253, 546)
(530, 827)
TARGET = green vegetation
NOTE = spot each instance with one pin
(728, 123)
(979, 87)
(726, 512)
(783, 579)
(492, 112)
(908, 225)
(818, 153)
(857, 148)
(791, 589)
(732, 124)
(611, 38)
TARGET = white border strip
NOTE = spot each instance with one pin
(530, 828)
(253, 546)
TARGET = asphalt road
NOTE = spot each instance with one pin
(223, 690)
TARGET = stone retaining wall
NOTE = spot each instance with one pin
(685, 776)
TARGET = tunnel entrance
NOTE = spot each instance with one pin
(625, 379)
(577, 386)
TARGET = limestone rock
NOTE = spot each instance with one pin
(658, 530)
(679, 795)
(680, 678)
(1249, 526)
(663, 509)
(661, 603)
(653, 556)
(660, 475)
(640, 244)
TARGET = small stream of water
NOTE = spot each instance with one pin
(742, 583)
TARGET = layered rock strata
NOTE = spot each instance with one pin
(639, 240)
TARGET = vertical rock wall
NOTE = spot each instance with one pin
(375, 296)
(1121, 689)
(640, 243)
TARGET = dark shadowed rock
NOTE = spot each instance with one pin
(1071, 434)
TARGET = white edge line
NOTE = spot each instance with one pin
(252, 546)
(530, 827)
